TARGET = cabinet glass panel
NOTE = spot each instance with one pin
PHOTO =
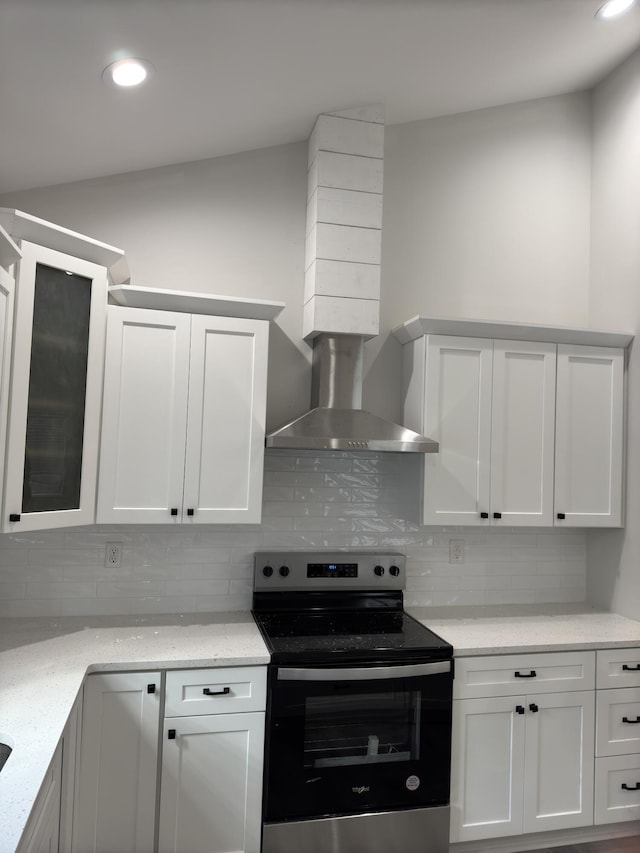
(57, 390)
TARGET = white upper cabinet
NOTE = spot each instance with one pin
(183, 418)
(589, 437)
(56, 390)
(55, 385)
(490, 405)
(530, 432)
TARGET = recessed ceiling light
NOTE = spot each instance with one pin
(613, 8)
(127, 73)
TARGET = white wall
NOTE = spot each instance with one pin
(486, 214)
(614, 556)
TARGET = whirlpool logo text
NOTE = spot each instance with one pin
(362, 789)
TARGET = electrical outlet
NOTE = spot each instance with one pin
(113, 555)
(456, 550)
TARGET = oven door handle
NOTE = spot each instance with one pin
(370, 673)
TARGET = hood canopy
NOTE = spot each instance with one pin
(337, 421)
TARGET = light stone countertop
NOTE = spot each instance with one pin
(527, 628)
(43, 664)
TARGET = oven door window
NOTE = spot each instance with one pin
(370, 728)
(346, 747)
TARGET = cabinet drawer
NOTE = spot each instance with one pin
(618, 668)
(618, 725)
(223, 690)
(613, 802)
(512, 675)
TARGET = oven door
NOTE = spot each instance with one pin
(348, 740)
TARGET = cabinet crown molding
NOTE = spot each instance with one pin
(417, 327)
(24, 226)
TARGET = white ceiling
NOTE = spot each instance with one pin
(233, 75)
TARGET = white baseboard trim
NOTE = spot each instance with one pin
(557, 838)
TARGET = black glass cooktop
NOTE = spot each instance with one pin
(342, 637)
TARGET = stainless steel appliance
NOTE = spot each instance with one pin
(358, 710)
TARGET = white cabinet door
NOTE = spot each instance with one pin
(211, 784)
(41, 833)
(457, 413)
(559, 761)
(487, 767)
(522, 433)
(522, 764)
(589, 437)
(118, 764)
(226, 420)
(56, 391)
(144, 417)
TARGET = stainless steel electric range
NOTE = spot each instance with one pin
(358, 744)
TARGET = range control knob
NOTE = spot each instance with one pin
(379, 570)
(284, 571)
(395, 571)
(267, 571)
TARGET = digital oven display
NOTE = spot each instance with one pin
(332, 570)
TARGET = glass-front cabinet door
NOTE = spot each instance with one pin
(56, 383)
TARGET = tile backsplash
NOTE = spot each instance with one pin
(311, 500)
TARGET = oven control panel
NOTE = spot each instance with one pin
(320, 570)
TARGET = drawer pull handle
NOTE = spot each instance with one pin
(531, 674)
(224, 692)
(626, 787)
(534, 708)
(627, 668)
(633, 722)
(519, 709)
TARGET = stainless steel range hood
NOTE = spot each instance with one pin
(337, 421)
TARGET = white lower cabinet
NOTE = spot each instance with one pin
(208, 781)
(617, 779)
(212, 758)
(522, 762)
(42, 831)
(116, 805)
(50, 824)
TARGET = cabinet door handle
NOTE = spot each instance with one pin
(519, 709)
(151, 688)
(519, 674)
(626, 787)
(14, 516)
(561, 516)
(484, 515)
(497, 515)
(534, 708)
(627, 668)
(174, 510)
(171, 734)
(224, 692)
(627, 720)
(190, 511)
